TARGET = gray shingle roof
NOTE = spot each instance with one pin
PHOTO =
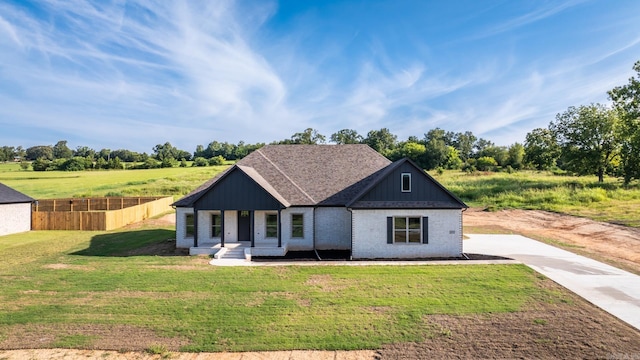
(11, 196)
(329, 175)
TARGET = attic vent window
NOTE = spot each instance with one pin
(406, 182)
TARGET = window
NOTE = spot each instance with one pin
(272, 226)
(297, 225)
(407, 230)
(216, 225)
(406, 182)
(189, 225)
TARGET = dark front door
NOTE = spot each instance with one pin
(244, 226)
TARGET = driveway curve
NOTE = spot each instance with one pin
(615, 291)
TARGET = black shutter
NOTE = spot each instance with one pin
(425, 230)
(389, 230)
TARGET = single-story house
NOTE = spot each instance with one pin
(15, 211)
(323, 197)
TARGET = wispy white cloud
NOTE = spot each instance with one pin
(135, 73)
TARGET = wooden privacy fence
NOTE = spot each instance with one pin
(95, 213)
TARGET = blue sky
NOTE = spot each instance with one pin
(132, 74)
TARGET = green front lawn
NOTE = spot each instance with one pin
(58, 279)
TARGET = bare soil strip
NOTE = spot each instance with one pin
(616, 244)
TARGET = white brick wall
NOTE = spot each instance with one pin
(181, 240)
(15, 218)
(370, 234)
(333, 228)
(305, 243)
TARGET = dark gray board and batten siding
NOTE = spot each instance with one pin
(236, 191)
(425, 191)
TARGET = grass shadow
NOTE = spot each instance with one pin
(146, 242)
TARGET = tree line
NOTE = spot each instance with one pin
(588, 139)
(594, 139)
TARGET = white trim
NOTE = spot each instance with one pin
(292, 226)
(402, 182)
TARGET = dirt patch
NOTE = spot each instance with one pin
(92, 336)
(574, 329)
(617, 244)
(164, 248)
(162, 221)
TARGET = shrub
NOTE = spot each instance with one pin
(200, 161)
(168, 162)
(183, 163)
(74, 164)
(41, 165)
(486, 163)
(217, 160)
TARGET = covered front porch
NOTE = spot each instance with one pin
(257, 231)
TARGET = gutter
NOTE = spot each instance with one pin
(351, 233)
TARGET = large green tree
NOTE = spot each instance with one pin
(346, 136)
(61, 150)
(308, 137)
(587, 138)
(541, 149)
(40, 152)
(626, 99)
(381, 140)
(437, 151)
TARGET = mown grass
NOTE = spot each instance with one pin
(60, 184)
(77, 279)
(581, 196)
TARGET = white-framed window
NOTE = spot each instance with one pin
(297, 225)
(406, 182)
(216, 225)
(272, 225)
(407, 230)
(189, 225)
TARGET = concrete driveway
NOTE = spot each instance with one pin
(614, 290)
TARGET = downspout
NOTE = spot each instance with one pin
(351, 233)
(314, 233)
(462, 234)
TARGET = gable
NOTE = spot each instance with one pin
(424, 191)
(11, 196)
(236, 191)
(305, 175)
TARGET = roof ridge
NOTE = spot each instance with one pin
(286, 176)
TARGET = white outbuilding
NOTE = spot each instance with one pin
(15, 211)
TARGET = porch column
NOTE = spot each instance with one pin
(279, 230)
(251, 226)
(222, 228)
(195, 227)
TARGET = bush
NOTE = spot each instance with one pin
(183, 163)
(217, 160)
(74, 164)
(168, 162)
(486, 163)
(200, 161)
(41, 165)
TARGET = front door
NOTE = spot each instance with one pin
(244, 226)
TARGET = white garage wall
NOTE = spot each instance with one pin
(15, 218)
